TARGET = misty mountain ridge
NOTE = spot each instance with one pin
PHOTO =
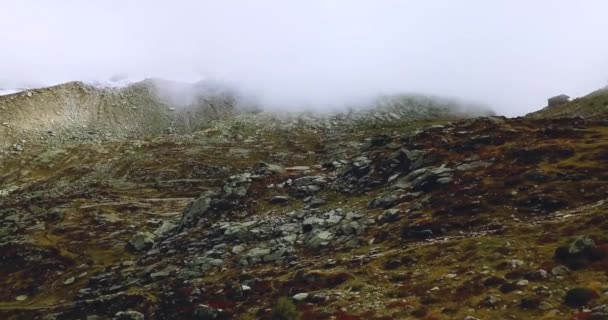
(83, 111)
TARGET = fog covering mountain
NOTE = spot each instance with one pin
(511, 55)
(77, 110)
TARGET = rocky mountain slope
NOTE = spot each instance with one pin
(79, 111)
(377, 214)
(593, 106)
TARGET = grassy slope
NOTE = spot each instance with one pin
(113, 190)
(592, 106)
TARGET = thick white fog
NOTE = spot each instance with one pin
(508, 54)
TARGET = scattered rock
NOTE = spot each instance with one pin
(386, 202)
(269, 169)
(473, 165)
(319, 238)
(238, 249)
(508, 287)
(579, 297)
(279, 200)
(142, 240)
(416, 233)
(69, 281)
(238, 185)
(207, 262)
(165, 228)
(307, 186)
(300, 296)
(160, 274)
(580, 253)
(315, 202)
(205, 312)
(390, 215)
(560, 271)
(196, 209)
(129, 315)
(581, 244)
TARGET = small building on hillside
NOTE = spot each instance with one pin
(558, 100)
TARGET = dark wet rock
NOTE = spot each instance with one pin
(279, 200)
(416, 233)
(579, 297)
(494, 281)
(530, 303)
(420, 312)
(508, 287)
(392, 264)
(580, 253)
(402, 161)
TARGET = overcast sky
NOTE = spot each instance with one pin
(509, 54)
